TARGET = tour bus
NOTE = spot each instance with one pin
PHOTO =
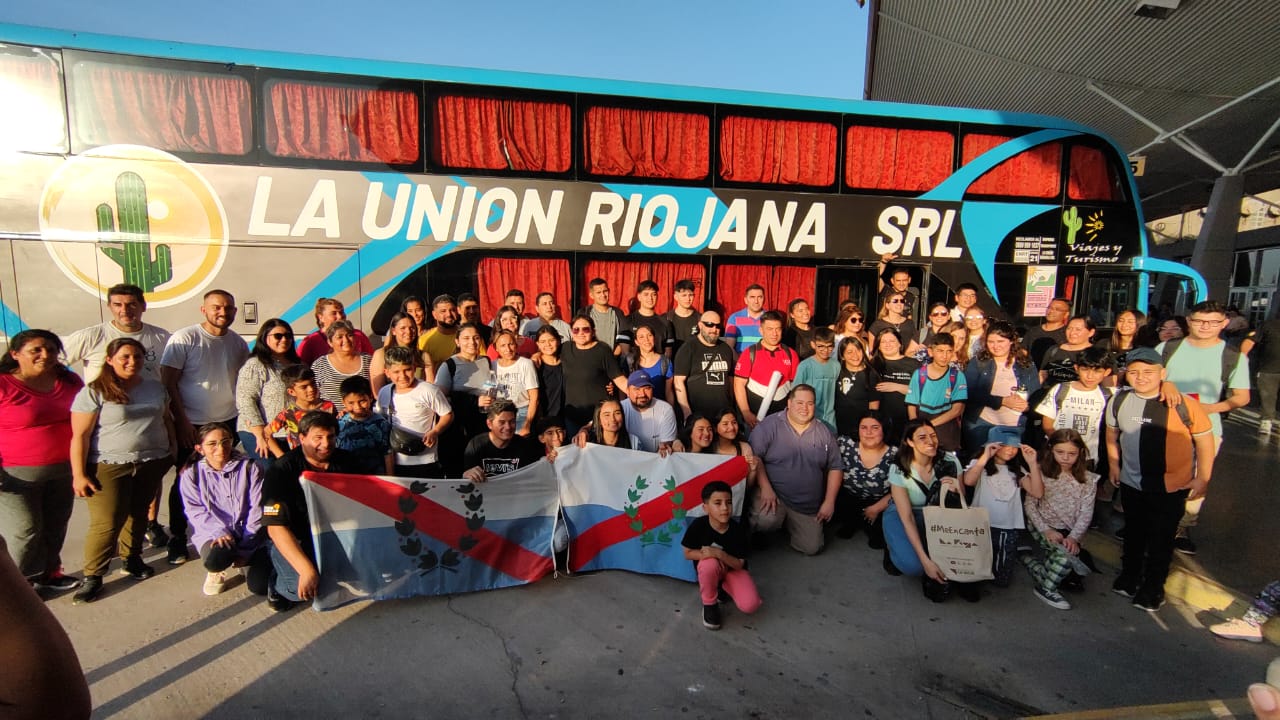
(287, 178)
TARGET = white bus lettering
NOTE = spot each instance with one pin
(258, 224)
(533, 213)
(648, 237)
(503, 200)
(603, 210)
(438, 215)
(813, 230)
(690, 242)
(923, 225)
(628, 236)
(465, 210)
(373, 203)
(771, 225)
(320, 212)
(733, 228)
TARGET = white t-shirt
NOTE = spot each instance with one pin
(654, 425)
(210, 365)
(416, 411)
(1081, 410)
(89, 346)
(1000, 494)
(516, 380)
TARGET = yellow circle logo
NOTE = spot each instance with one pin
(137, 215)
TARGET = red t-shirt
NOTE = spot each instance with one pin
(35, 427)
(758, 371)
(316, 345)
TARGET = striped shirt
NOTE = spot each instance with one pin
(329, 380)
(741, 330)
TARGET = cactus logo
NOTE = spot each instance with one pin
(133, 214)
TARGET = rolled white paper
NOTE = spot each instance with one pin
(774, 381)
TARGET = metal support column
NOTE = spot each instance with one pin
(1214, 254)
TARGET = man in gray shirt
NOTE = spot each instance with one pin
(800, 474)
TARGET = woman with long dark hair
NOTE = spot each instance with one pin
(1126, 335)
(550, 373)
(1001, 379)
(260, 395)
(1060, 360)
(36, 392)
(799, 330)
(121, 441)
(895, 369)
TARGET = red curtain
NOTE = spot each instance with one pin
(1092, 177)
(494, 134)
(782, 284)
(785, 152)
(883, 158)
(622, 276)
(340, 122)
(166, 109)
(667, 274)
(647, 143)
(33, 87)
(495, 276)
(1033, 173)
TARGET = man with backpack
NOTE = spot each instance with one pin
(1205, 367)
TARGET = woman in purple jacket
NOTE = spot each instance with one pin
(222, 493)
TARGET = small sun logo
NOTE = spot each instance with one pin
(1093, 226)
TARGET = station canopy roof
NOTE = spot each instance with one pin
(1037, 56)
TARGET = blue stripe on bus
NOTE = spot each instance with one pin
(693, 198)
(50, 37)
(986, 225)
(10, 321)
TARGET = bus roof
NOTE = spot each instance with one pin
(49, 37)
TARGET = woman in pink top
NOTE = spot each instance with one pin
(35, 449)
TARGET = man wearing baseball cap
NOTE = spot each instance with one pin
(653, 421)
(1159, 457)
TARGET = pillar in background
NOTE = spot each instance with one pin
(1214, 254)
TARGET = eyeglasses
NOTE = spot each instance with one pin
(706, 324)
(895, 301)
(1193, 321)
(823, 346)
(939, 313)
(279, 336)
(580, 330)
(975, 317)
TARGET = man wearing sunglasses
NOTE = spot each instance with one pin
(704, 370)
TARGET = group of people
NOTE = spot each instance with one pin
(859, 424)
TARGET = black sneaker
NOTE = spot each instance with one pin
(278, 602)
(1125, 587)
(889, 567)
(846, 531)
(177, 553)
(1120, 533)
(1072, 583)
(1183, 544)
(56, 581)
(723, 597)
(89, 590)
(711, 616)
(1151, 602)
(156, 535)
(136, 569)
(970, 592)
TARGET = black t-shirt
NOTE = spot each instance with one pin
(734, 540)
(518, 453)
(906, 330)
(855, 390)
(794, 337)
(551, 390)
(709, 375)
(893, 405)
(587, 374)
(283, 502)
(685, 328)
(664, 335)
(1037, 342)
(1059, 365)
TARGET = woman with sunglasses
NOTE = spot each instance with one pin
(852, 322)
(590, 372)
(976, 323)
(893, 315)
(936, 320)
(260, 394)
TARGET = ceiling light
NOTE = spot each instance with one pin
(1157, 9)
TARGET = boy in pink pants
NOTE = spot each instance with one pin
(717, 545)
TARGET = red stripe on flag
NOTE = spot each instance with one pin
(437, 521)
(653, 513)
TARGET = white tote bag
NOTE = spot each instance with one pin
(959, 539)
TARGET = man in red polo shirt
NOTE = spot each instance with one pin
(756, 366)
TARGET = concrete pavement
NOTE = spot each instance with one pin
(837, 637)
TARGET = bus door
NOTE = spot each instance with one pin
(844, 282)
(1105, 295)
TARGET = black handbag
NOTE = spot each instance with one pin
(404, 442)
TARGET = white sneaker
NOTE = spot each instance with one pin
(1264, 427)
(1237, 629)
(214, 582)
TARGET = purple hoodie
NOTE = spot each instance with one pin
(225, 502)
